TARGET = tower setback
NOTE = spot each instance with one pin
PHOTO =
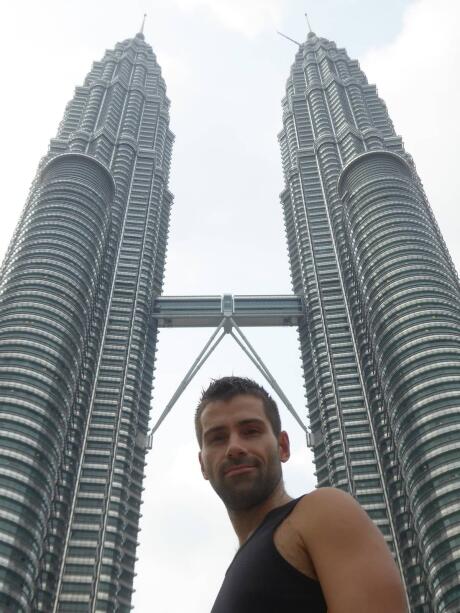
(77, 343)
(381, 341)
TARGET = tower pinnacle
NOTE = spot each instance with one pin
(310, 34)
(140, 34)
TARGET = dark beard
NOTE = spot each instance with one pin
(253, 492)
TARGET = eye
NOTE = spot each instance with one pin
(251, 431)
(217, 438)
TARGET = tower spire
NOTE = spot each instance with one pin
(141, 31)
(308, 23)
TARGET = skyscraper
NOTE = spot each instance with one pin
(77, 343)
(381, 342)
(380, 345)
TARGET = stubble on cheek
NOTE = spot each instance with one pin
(245, 491)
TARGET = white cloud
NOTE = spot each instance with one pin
(247, 17)
(417, 76)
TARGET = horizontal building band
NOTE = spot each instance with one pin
(208, 311)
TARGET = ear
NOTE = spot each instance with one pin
(203, 470)
(284, 447)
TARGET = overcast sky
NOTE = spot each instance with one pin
(225, 70)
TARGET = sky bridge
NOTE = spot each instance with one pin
(227, 314)
(208, 311)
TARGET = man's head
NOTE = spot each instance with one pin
(227, 388)
(241, 444)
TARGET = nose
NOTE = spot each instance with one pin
(235, 448)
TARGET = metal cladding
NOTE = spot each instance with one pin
(48, 295)
(77, 343)
(410, 298)
(381, 342)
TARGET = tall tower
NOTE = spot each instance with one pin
(381, 343)
(77, 343)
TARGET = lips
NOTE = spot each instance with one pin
(238, 469)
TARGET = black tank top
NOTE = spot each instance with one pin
(260, 580)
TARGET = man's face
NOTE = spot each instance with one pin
(240, 454)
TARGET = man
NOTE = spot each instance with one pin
(318, 553)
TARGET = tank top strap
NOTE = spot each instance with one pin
(276, 516)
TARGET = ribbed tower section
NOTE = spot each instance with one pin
(381, 344)
(77, 343)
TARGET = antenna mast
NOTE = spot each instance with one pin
(143, 23)
(288, 38)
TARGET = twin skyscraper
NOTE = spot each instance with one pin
(380, 339)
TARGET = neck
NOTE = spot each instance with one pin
(246, 521)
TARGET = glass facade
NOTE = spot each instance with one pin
(77, 343)
(381, 340)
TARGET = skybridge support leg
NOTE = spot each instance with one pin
(197, 364)
(227, 326)
(252, 354)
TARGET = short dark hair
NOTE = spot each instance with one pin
(227, 388)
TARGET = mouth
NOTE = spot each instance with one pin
(240, 469)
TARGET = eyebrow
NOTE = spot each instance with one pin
(252, 420)
(242, 422)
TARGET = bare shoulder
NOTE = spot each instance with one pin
(329, 504)
(326, 496)
(347, 549)
(329, 518)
